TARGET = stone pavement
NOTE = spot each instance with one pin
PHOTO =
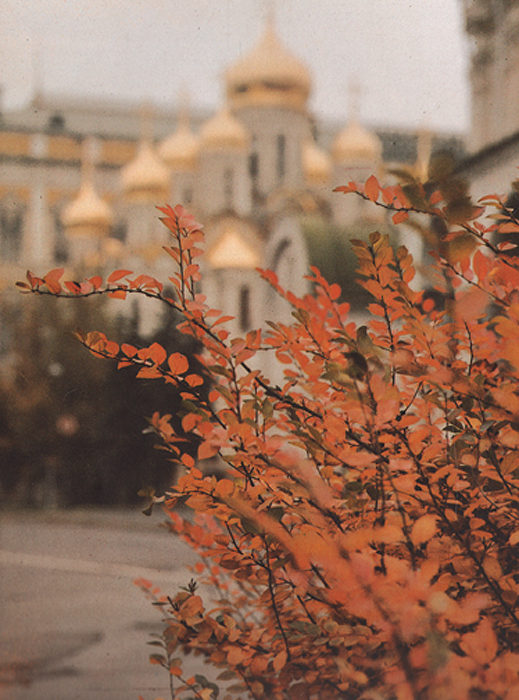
(72, 624)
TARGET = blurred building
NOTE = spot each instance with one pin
(493, 27)
(80, 180)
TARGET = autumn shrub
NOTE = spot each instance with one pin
(363, 541)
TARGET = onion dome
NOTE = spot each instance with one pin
(268, 75)
(87, 215)
(180, 150)
(145, 178)
(317, 165)
(224, 131)
(356, 145)
(232, 250)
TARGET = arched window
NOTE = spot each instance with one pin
(12, 214)
(244, 317)
(60, 240)
(254, 166)
(281, 157)
(228, 186)
(188, 195)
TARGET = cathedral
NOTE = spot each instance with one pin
(80, 182)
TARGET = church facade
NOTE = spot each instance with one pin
(79, 186)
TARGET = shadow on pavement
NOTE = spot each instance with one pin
(22, 660)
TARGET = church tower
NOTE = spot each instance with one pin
(267, 91)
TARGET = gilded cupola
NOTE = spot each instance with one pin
(268, 75)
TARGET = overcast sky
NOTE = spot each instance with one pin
(409, 56)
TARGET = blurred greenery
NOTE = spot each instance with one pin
(71, 424)
(331, 251)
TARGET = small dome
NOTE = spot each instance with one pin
(317, 165)
(88, 214)
(355, 144)
(269, 74)
(180, 150)
(224, 131)
(232, 250)
(145, 178)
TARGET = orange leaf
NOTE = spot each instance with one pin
(372, 188)
(129, 350)
(96, 281)
(400, 216)
(117, 294)
(117, 275)
(73, 287)
(190, 421)
(187, 460)
(508, 227)
(157, 353)
(52, 278)
(423, 529)
(207, 449)
(235, 656)
(492, 568)
(334, 291)
(346, 189)
(279, 661)
(224, 487)
(190, 271)
(178, 363)
(481, 645)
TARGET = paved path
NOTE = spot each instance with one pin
(72, 624)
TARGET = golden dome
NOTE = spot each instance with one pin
(145, 178)
(268, 75)
(232, 250)
(317, 165)
(224, 131)
(355, 144)
(180, 150)
(88, 214)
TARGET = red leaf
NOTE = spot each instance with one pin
(334, 291)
